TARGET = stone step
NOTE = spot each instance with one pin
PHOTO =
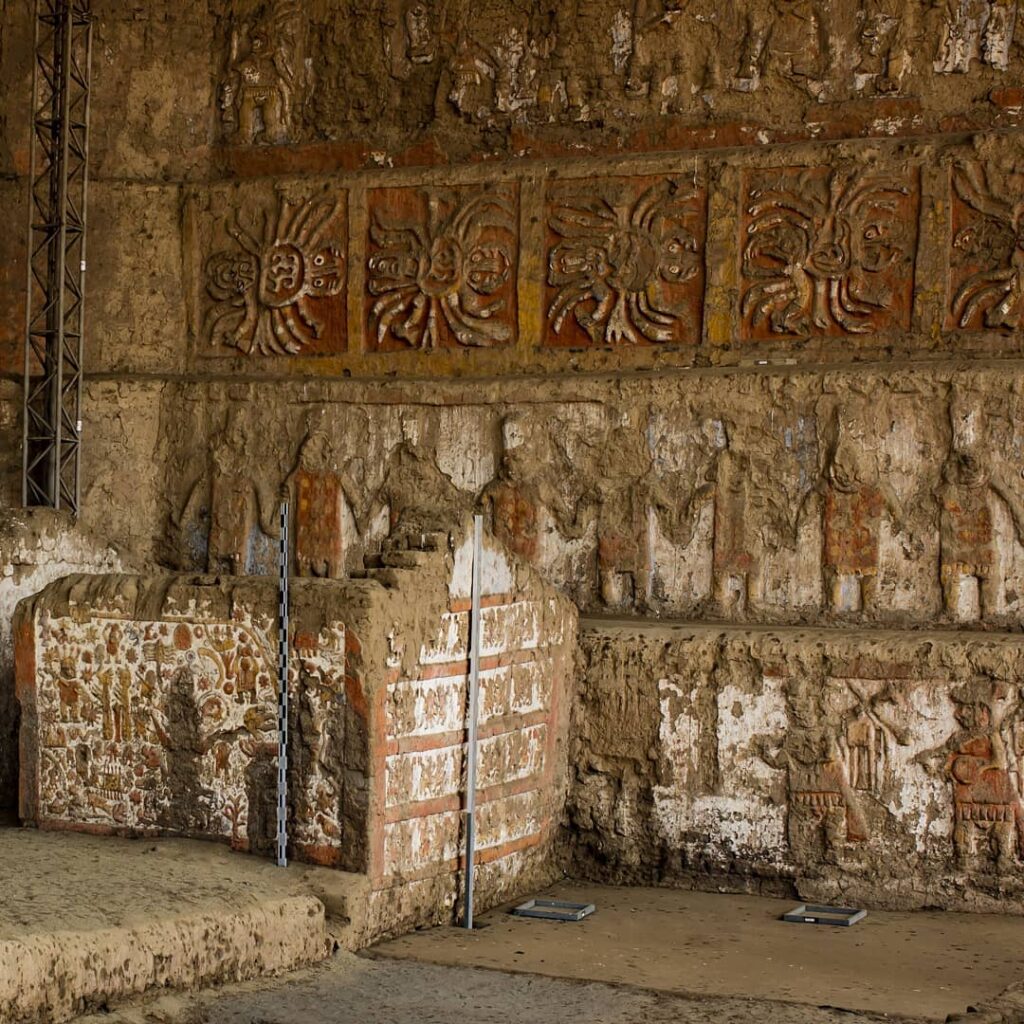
(87, 922)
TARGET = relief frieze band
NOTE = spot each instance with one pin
(836, 255)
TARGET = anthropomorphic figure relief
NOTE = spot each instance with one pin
(739, 512)
(788, 41)
(410, 33)
(268, 293)
(415, 492)
(622, 550)
(233, 498)
(318, 490)
(980, 762)
(824, 812)
(528, 498)
(988, 243)
(970, 483)
(828, 251)
(887, 30)
(625, 267)
(260, 92)
(853, 499)
(975, 30)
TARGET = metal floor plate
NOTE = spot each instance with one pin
(554, 910)
(811, 913)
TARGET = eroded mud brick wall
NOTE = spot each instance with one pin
(150, 707)
(713, 309)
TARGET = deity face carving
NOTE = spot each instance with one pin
(617, 267)
(825, 252)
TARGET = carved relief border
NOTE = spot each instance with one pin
(830, 254)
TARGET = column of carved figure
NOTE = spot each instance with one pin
(266, 76)
(534, 505)
(983, 760)
(622, 500)
(975, 30)
(887, 30)
(851, 500)
(318, 762)
(317, 490)
(969, 572)
(230, 500)
(786, 41)
(739, 506)
(673, 54)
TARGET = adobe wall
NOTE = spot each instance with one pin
(150, 706)
(843, 766)
(712, 309)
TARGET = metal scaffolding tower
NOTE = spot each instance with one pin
(58, 183)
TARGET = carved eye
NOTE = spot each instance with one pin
(318, 261)
(872, 233)
(318, 282)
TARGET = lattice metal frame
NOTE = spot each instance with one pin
(58, 189)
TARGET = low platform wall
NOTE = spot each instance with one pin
(883, 768)
(149, 706)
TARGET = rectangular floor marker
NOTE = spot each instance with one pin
(810, 913)
(554, 910)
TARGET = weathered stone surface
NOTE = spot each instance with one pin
(36, 547)
(878, 768)
(149, 706)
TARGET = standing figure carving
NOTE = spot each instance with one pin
(824, 811)
(886, 32)
(975, 30)
(968, 571)
(318, 490)
(788, 41)
(260, 91)
(854, 499)
(233, 500)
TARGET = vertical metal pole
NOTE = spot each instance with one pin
(474, 708)
(282, 701)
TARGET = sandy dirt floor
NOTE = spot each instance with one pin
(354, 990)
(922, 964)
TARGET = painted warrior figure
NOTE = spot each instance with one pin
(824, 811)
(979, 30)
(790, 41)
(988, 816)
(234, 500)
(319, 491)
(967, 553)
(524, 501)
(854, 499)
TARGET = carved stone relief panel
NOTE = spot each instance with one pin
(441, 268)
(276, 280)
(986, 281)
(625, 261)
(828, 252)
(267, 78)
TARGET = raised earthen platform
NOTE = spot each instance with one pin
(88, 922)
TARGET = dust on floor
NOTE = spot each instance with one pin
(354, 990)
(723, 946)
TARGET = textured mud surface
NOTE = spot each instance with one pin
(838, 765)
(357, 991)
